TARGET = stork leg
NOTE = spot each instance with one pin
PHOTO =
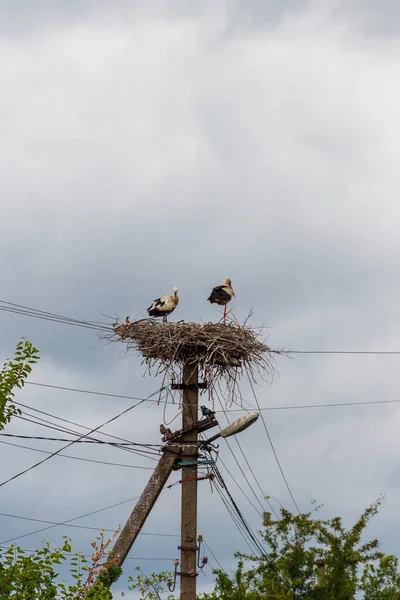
(164, 320)
(225, 314)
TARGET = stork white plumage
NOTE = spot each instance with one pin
(222, 295)
(164, 306)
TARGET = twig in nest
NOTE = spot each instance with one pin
(223, 352)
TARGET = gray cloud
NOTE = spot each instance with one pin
(370, 18)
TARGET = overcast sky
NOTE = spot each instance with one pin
(150, 145)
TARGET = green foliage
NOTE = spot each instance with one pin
(382, 581)
(151, 586)
(101, 588)
(349, 567)
(240, 587)
(34, 576)
(294, 545)
(12, 375)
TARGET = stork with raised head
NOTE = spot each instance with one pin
(164, 306)
(222, 294)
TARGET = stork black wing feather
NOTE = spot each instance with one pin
(153, 310)
(219, 293)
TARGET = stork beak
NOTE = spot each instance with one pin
(233, 293)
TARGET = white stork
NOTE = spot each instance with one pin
(222, 294)
(164, 306)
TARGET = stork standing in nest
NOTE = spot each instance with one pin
(222, 294)
(164, 306)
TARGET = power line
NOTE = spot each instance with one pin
(77, 433)
(28, 311)
(93, 512)
(245, 477)
(90, 556)
(21, 309)
(273, 448)
(80, 526)
(79, 441)
(219, 481)
(88, 439)
(366, 352)
(214, 557)
(231, 410)
(305, 406)
(138, 449)
(42, 412)
(248, 465)
(220, 486)
(51, 425)
(68, 445)
(236, 482)
(95, 393)
(234, 518)
(91, 460)
(238, 485)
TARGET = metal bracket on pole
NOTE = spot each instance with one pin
(207, 461)
(202, 425)
(172, 582)
(189, 386)
(201, 562)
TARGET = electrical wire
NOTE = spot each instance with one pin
(12, 307)
(91, 460)
(80, 526)
(249, 534)
(273, 448)
(46, 423)
(42, 412)
(21, 309)
(214, 557)
(67, 430)
(89, 514)
(366, 352)
(261, 554)
(231, 410)
(246, 479)
(247, 463)
(305, 406)
(234, 518)
(95, 393)
(79, 441)
(69, 444)
(90, 556)
(241, 516)
(234, 479)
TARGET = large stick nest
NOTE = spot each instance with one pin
(222, 351)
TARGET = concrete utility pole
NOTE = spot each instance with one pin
(188, 547)
(143, 507)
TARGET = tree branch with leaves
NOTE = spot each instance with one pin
(13, 375)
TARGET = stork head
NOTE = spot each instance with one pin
(175, 290)
(228, 283)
